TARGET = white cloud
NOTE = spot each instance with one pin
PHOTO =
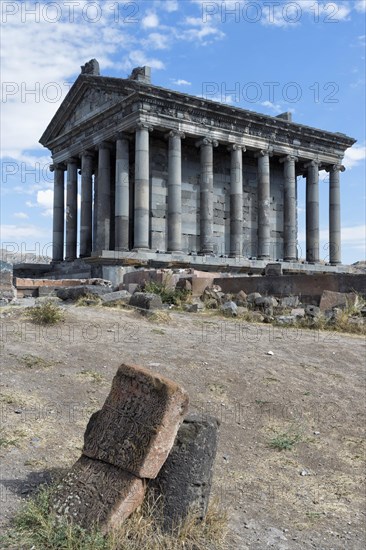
(11, 233)
(272, 106)
(360, 6)
(139, 57)
(182, 82)
(170, 5)
(354, 156)
(45, 201)
(150, 21)
(157, 41)
(21, 215)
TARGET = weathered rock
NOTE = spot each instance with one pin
(212, 304)
(184, 284)
(241, 298)
(298, 312)
(274, 269)
(230, 308)
(96, 493)
(251, 298)
(242, 311)
(137, 425)
(266, 301)
(120, 295)
(76, 292)
(290, 301)
(330, 299)
(184, 482)
(312, 311)
(146, 300)
(286, 319)
(257, 317)
(194, 307)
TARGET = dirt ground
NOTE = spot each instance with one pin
(312, 388)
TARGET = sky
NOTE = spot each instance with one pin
(269, 56)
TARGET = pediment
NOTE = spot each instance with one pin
(86, 99)
(93, 102)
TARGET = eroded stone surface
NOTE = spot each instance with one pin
(330, 299)
(96, 493)
(184, 482)
(137, 425)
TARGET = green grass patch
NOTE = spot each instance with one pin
(285, 441)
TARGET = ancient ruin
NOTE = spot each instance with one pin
(165, 176)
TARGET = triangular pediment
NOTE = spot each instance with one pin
(87, 98)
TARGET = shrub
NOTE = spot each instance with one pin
(47, 313)
(168, 296)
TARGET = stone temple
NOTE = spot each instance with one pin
(168, 177)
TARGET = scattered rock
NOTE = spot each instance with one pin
(241, 311)
(312, 311)
(251, 298)
(146, 300)
(266, 302)
(119, 295)
(230, 308)
(290, 301)
(241, 298)
(76, 292)
(330, 299)
(194, 307)
(286, 319)
(270, 352)
(298, 312)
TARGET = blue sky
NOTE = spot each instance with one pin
(270, 56)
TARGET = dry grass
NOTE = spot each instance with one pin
(47, 313)
(88, 300)
(35, 527)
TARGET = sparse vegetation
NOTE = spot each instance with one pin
(88, 300)
(158, 316)
(32, 361)
(5, 441)
(285, 441)
(47, 313)
(35, 527)
(168, 295)
(92, 375)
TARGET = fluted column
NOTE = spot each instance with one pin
(175, 191)
(312, 212)
(289, 209)
(122, 199)
(58, 212)
(71, 208)
(264, 226)
(103, 208)
(86, 218)
(206, 195)
(142, 188)
(236, 200)
(335, 213)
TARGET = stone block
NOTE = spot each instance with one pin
(290, 301)
(137, 425)
(184, 482)
(96, 493)
(312, 311)
(120, 295)
(273, 269)
(195, 307)
(251, 298)
(199, 284)
(145, 300)
(330, 299)
(75, 292)
(230, 309)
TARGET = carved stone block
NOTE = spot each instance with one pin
(96, 493)
(137, 425)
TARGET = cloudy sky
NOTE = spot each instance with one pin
(270, 56)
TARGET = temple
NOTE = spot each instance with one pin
(172, 176)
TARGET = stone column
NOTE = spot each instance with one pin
(86, 216)
(335, 213)
(312, 212)
(142, 188)
(103, 208)
(289, 209)
(71, 208)
(58, 212)
(122, 198)
(236, 200)
(264, 226)
(175, 191)
(206, 194)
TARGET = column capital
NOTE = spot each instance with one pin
(175, 133)
(87, 154)
(312, 164)
(143, 126)
(288, 158)
(335, 168)
(207, 141)
(72, 160)
(123, 135)
(105, 145)
(57, 166)
(264, 152)
(236, 147)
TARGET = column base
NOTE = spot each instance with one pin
(290, 259)
(335, 263)
(141, 249)
(264, 258)
(175, 252)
